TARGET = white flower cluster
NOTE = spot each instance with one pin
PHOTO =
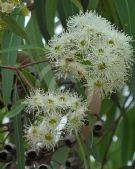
(93, 49)
(8, 6)
(50, 108)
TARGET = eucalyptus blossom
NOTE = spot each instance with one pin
(94, 50)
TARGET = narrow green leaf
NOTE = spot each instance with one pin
(14, 26)
(9, 40)
(17, 108)
(32, 29)
(66, 9)
(92, 5)
(29, 78)
(44, 70)
(61, 156)
(125, 10)
(127, 131)
(51, 7)
(40, 8)
(17, 123)
(28, 47)
(84, 4)
(77, 4)
(82, 152)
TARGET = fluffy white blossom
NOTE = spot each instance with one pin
(8, 6)
(32, 135)
(35, 102)
(92, 48)
(52, 107)
(74, 122)
(48, 138)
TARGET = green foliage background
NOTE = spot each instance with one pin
(120, 119)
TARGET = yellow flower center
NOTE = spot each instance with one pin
(79, 73)
(57, 48)
(50, 101)
(62, 98)
(102, 66)
(98, 84)
(76, 104)
(52, 121)
(101, 51)
(111, 42)
(48, 136)
(74, 120)
(69, 59)
(83, 43)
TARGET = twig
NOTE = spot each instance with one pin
(30, 64)
(15, 68)
(8, 67)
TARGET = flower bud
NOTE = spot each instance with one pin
(31, 155)
(10, 148)
(70, 141)
(5, 156)
(43, 166)
(98, 129)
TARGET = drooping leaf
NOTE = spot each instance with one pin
(17, 108)
(77, 4)
(18, 136)
(14, 26)
(9, 40)
(51, 7)
(46, 79)
(66, 9)
(92, 4)
(21, 47)
(40, 8)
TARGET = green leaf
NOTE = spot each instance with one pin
(17, 123)
(66, 9)
(17, 108)
(61, 156)
(28, 78)
(14, 26)
(82, 152)
(84, 4)
(27, 47)
(77, 4)
(127, 135)
(17, 134)
(125, 10)
(92, 5)
(40, 8)
(32, 29)
(51, 7)
(9, 40)
(44, 70)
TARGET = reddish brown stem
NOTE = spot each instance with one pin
(8, 67)
(22, 67)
